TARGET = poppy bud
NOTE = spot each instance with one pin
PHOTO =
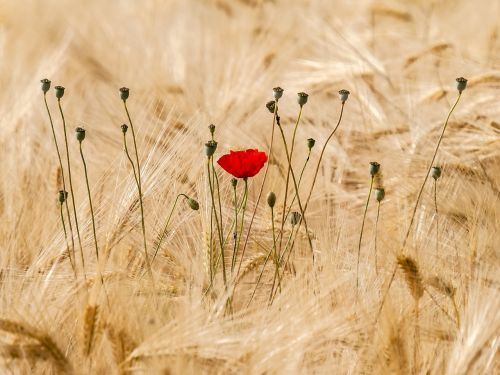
(277, 93)
(379, 194)
(124, 128)
(310, 143)
(302, 98)
(295, 218)
(211, 127)
(271, 106)
(374, 168)
(234, 182)
(63, 195)
(193, 204)
(210, 148)
(59, 91)
(45, 85)
(344, 94)
(124, 92)
(80, 134)
(271, 199)
(461, 84)
(436, 172)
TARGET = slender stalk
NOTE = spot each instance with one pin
(63, 179)
(321, 156)
(215, 182)
(437, 217)
(376, 232)
(300, 180)
(270, 153)
(288, 176)
(217, 222)
(139, 188)
(428, 171)
(280, 277)
(361, 233)
(71, 187)
(66, 238)
(245, 199)
(275, 255)
(235, 226)
(129, 158)
(164, 231)
(297, 192)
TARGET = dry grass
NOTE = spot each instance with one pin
(191, 63)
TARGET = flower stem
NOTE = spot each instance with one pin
(129, 158)
(245, 199)
(71, 186)
(235, 226)
(215, 183)
(288, 176)
(63, 182)
(270, 153)
(376, 227)
(139, 188)
(428, 171)
(437, 217)
(275, 254)
(361, 234)
(66, 238)
(300, 180)
(280, 277)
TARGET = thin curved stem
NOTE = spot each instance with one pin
(66, 238)
(275, 255)
(139, 188)
(361, 233)
(437, 217)
(130, 159)
(245, 199)
(270, 153)
(164, 231)
(71, 186)
(376, 232)
(288, 176)
(428, 172)
(280, 277)
(300, 180)
(236, 226)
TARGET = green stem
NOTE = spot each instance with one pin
(288, 176)
(361, 234)
(376, 227)
(437, 217)
(428, 172)
(217, 222)
(300, 180)
(139, 188)
(164, 231)
(71, 186)
(130, 159)
(275, 255)
(270, 153)
(66, 238)
(280, 277)
(245, 198)
(216, 184)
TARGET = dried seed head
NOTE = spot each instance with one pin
(310, 143)
(59, 92)
(379, 194)
(211, 128)
(436, 172)
(271, 106)
(461, 84)
(124, 93)
(271, 199)
(344, 95)
(80, 134)
(45, 85)
(374, 168)
(295, 218)
(193, 204)
(63, 195)
(302, 98)
(234, 182)
(277, 93)
(124, 128)
(210, 148)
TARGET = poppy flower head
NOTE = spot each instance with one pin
(243, 164)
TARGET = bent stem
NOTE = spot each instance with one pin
(361, 234)
(288, 176)
(66, 238)
(270, 153)
(164, 231)
(139, 188)
(71, 187)
(428, 171)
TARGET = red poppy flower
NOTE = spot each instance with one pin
(243, 164)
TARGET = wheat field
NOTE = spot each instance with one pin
(426, 305)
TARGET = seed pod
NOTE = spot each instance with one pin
(435, 172)
(234, 182)
(59, 92)
(295, 218)
(344, 94)
(211, 128)
(271, 199)
(45, 85)
(80, 134)
(302, 98)
(124, 93)
(193, 204)
(374, 168)
(271, 106)
(461, 84)
(210, 148)
(277, 93)
(124, 128)
(63, 195)
(310, 143)
(380, 194)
